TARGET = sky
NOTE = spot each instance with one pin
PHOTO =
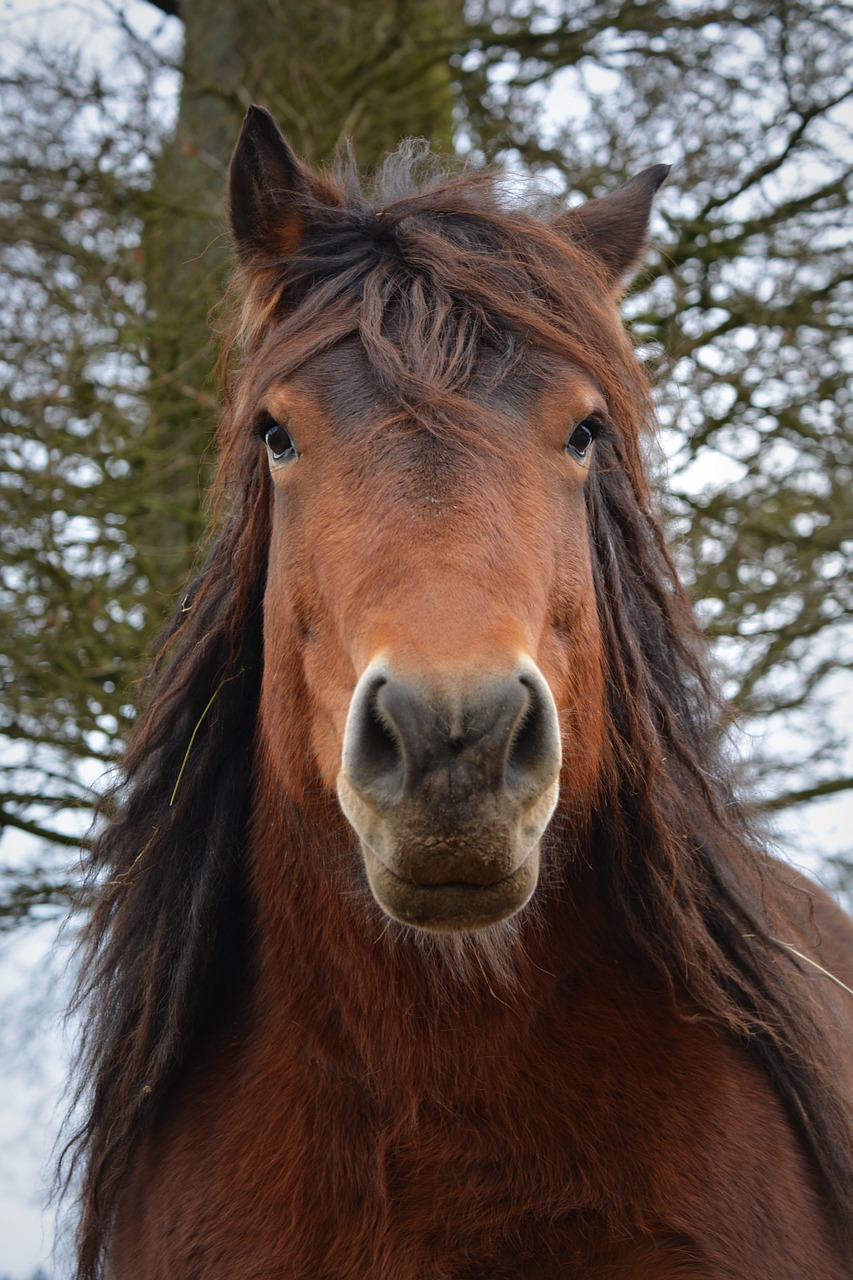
(33, 993)
(34, 964)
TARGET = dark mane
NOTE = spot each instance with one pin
(425, 275)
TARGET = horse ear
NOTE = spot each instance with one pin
(616, 227)
(267, 185)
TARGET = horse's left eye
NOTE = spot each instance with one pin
(278, 441)
(582, 437)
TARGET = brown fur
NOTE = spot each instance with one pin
(632, 1078)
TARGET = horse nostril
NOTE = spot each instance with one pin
(534, 753)
(380, 741)
(374, 754)
(412, 739)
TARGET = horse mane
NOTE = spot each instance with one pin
(423, 275)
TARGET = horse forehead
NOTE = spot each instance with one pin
(343, 386)
(348, 392)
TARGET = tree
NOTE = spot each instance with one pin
(74, 588)
(368, 71)
(117, 255)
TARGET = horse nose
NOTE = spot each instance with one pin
(452, 741)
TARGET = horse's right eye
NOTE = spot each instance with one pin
(278, 441)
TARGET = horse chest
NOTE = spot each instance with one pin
(503, 1166)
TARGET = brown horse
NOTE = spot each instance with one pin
(431, 943)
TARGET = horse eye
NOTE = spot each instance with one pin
(278, 441)
(582, 436)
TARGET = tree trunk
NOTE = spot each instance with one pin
(371, 70)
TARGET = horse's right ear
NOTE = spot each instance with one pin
(266, 189)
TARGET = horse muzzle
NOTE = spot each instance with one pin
(450, 784)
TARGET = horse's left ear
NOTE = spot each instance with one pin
(616, 227)
(269, 190)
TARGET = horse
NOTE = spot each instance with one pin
(431, 940)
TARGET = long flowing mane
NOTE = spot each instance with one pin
(426, 273)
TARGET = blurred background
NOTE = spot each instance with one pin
(116, 126)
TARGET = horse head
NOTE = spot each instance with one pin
(428, 454)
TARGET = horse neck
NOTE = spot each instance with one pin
(365, 990)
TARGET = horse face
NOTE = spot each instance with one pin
(439, 591)
(430, 604)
